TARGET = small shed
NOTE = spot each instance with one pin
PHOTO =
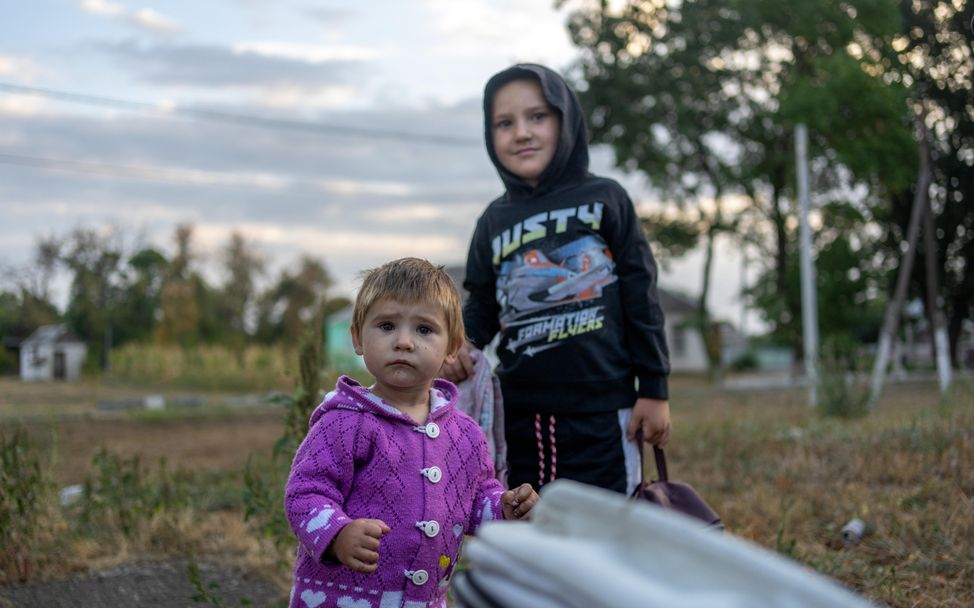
(52, 352)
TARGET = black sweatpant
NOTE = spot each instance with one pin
(583, 447)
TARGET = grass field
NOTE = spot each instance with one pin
(778, 473)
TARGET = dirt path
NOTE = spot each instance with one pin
(156, 584)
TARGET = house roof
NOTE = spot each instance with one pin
(675, 302)
(53, 334)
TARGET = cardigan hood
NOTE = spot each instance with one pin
(349, 394)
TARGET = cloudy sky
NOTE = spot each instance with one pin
(347, 130)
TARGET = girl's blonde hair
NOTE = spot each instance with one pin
(411, 280)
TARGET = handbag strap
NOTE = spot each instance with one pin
(658, 456)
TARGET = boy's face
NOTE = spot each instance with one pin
(525, 129)
(404, 345)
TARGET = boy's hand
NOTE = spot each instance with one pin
(462, 366)
(653, 417)
(357, 545)
(518, 502)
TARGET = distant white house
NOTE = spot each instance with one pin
(688, 352)
(52, 352)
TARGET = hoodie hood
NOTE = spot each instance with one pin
(350, 395)
(570, 162)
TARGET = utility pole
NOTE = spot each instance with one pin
(938, 324)
(892, 317)
(809, 303)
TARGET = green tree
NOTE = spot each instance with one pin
(849, 272)
(703, 96)
(21, 312)
(180, 311)
(97, 288)
(293, 302)
(26, 303)
(242, 266)
(47, 258)
(143, 297)
(936, 57)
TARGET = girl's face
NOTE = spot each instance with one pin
(525, 129)
(404, 345)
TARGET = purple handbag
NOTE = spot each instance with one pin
(673, 495)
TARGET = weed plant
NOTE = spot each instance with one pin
(25, 496)
(263, 492)
(840, 395)
(121, 495)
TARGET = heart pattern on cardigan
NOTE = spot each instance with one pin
(313, 599)
(320, 520)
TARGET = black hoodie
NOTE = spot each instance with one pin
(564, 273)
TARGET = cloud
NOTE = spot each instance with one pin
(525, 30)
(329, 16)
(145, 19)
(100, 7)
(253, 65)
(151, 20)
(354, 201)
(19, 68)
(19, 105)
(306, 53)
(349, 187)
(423, 213)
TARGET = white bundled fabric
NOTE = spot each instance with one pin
(589, 548)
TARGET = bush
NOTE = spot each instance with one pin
(253, 368)
(121, 495)
(9, 364)
(25, 493)
(264, 481)
(840, 395)
(746, 362)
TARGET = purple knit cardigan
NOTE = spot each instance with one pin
(431, 484)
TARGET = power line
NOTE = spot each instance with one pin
(249, 120)
(172, 176)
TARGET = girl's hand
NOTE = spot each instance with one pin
(518, 502)
(357, 544)
(652, 416)
(462, 366)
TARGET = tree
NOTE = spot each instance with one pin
(293, 302)
(47, 257)
(936, 56)
(179, 303)
(26, 304)
(97, 288)
(849, 274)
(660, 112)
(242, 266)
(21, 312)
(702, 96)
(143, 297)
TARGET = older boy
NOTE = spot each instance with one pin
(559, 266)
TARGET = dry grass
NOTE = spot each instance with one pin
(786, 478)
(778, 473)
